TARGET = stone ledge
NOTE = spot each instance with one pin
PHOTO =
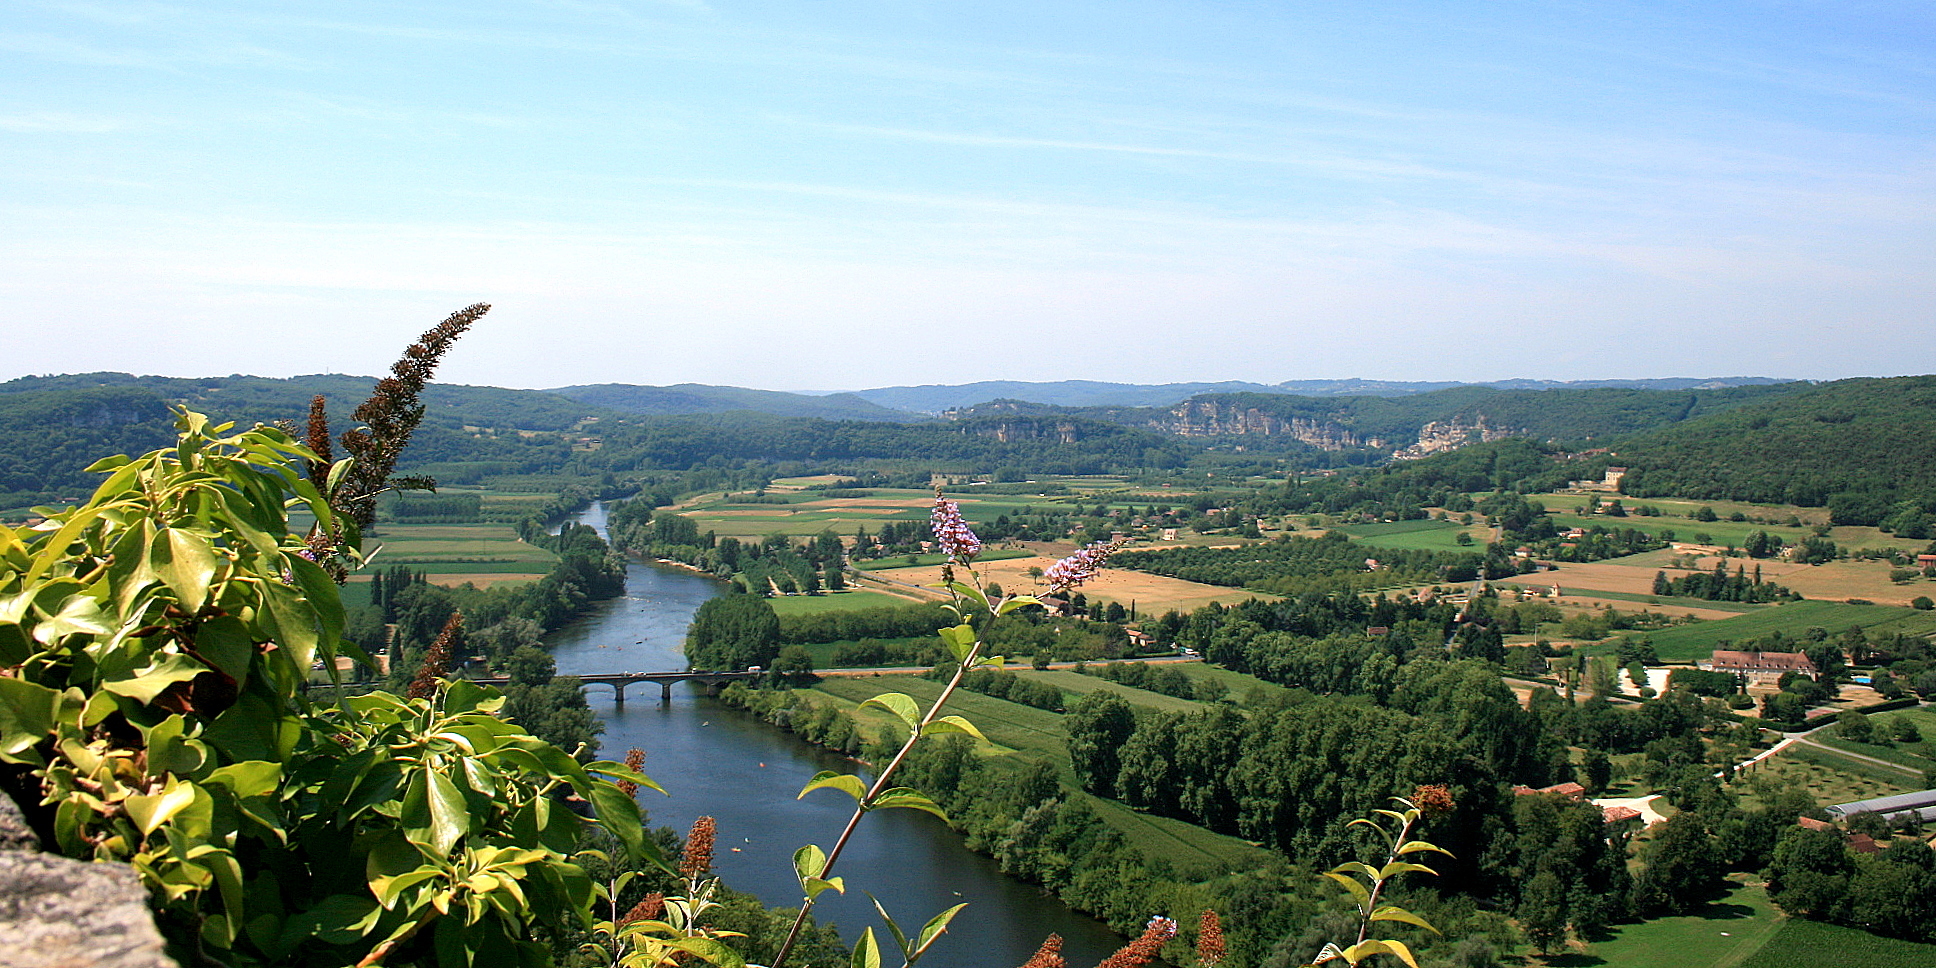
(61, 913)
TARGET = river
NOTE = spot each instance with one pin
(716, 760)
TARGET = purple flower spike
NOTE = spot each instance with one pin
(1079, 567)
(952, 531)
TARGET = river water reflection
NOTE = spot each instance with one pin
(718, 761)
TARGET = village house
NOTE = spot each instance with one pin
(1759, 666)
(1569, 790)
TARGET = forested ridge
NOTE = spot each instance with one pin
(1859, 447)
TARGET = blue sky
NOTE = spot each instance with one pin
(836, 195)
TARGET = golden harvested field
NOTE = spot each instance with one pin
(1152, 594)
(480, 580)
(1838, 580)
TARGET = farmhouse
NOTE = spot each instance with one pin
(1615, 816)
(1759, 666)
(1571, 791)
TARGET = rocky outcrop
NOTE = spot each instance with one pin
(1025, 428)
(1438, 437)
(61, 913)
(1212, 418)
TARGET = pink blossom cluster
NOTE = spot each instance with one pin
(952, 532)
(1079, 567)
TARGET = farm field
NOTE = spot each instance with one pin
(911, 561)
(842, 601)
(1424, 535)
(1901, 756)
(801, 512)
(1689, 642)
(1834, 779)
(1083, 685)
(1811, 944)
(1151, 594)
(452, 554)
(1038, 733)
(1720, 935)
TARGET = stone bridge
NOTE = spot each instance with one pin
(619, 680)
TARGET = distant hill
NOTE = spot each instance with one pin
(1864, 448)
(695, 398)
(52, 427)
(940, 398)
(1412, 425)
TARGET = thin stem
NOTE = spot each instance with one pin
(1378, 884)
(880, 783)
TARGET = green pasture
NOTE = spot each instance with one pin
(1038, 733)
(841, 601)
(930, 560)
(823, 652)
(1719, 935)
(1675, 513)
(1083, 685)
(1923, 717)
(1689, 642)
(1424, 535)
(1239, 685)
(1652, 601)
(1722, 532)
(1812, 944)
(1901, 756)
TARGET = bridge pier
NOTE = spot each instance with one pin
(618, 693)
(665, 691)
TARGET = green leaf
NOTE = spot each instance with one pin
(619, 814)
(813, 886)
(899, 704)
(619, 771)
(449, 819)
(1351, 884)
(960, 640)
(249, 778)
(186, 563)
(809, 861)
(294, 622)
(27, 714)
(969, 592)
(151, 810)
(953, 724)
(1365, 949)
(844, 782)
(900, 937)
(1415, 846)
(79, 615)
(167, 669)
(225, 642)
(463, 696)
(867, 951)
(168, 752)
(932, 931)
(710, 950)
(1397, 867)
(1019, 601)
(905, 798)
(388, 889)
(1392, 913)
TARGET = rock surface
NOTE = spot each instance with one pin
(60, 913)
